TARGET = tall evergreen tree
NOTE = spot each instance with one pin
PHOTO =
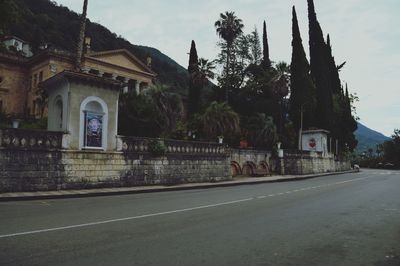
(320, 70)
(333, 69)
(194, 89)
(350, 124)
(302, 97)
(266, 60)
(255, 47)
(193, 59)
(338, 124)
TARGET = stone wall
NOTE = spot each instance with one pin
(306, 162)
(34, 160)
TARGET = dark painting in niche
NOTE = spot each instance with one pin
(94, 130)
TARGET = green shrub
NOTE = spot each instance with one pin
(157, 147)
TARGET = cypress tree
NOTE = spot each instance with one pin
(302, 97)
(194, 90)
(337, 121)
(266, 60)
(193, 59)
(350, 124)
(320, 70)
(334, 73)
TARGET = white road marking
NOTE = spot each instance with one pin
(124, 219)
(169, 212)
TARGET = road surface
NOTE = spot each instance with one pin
(351, 219)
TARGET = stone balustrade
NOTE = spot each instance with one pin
(140, 145)
(30, 139)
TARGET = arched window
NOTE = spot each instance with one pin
(93, 123)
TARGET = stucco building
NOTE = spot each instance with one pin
(20, 74)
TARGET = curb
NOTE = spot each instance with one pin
(65, 194)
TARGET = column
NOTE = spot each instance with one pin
(137, 87)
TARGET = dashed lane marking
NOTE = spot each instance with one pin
(169, 212)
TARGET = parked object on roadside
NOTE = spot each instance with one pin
(356, 167)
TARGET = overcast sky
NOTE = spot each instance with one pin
(365, 33)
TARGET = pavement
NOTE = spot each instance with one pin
(79, 193)
(349, 219)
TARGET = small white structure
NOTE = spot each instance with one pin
(85, 107)
(18, 44)
(315, 140)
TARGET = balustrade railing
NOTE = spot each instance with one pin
(30, 139)
(138, 145)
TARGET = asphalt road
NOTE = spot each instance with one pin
(351, 219)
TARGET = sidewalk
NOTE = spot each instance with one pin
(14, 196)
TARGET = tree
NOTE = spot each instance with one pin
(320, 70)
(255, 47)
(193, 59)
(138, 116)
(219, 119)
(266, 60)
(391, 149)
(205, 72)
(194, 90)
(302, 95)
(81, 37)
(259, 130)
(169, 105)
(8, 11)
(228, 27)
(350, 124)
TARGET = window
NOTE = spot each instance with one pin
(1, 105)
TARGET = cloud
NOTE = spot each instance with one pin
(364, 33)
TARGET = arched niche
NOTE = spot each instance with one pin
(56, 114)
(93, 124)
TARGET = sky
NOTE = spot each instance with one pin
(364, 33)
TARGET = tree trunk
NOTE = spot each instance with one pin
(228, 55)
(81, 37)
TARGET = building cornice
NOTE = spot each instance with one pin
(80, 77)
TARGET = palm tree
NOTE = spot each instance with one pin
(204, 72)
(281, 79)
(228, 27)
(81, 37)
(219, 119)
(168, 104)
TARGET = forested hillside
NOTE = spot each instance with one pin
(44, 21)
(368, 138)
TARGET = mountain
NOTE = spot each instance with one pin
(368, 138)
(45, 22)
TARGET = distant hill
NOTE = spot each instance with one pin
(368, 138)
(44, 21)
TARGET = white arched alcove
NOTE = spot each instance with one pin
(93, 124)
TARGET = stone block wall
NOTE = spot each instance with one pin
(312, 163)
(31, 161)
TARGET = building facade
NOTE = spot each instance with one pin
(21, 76)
